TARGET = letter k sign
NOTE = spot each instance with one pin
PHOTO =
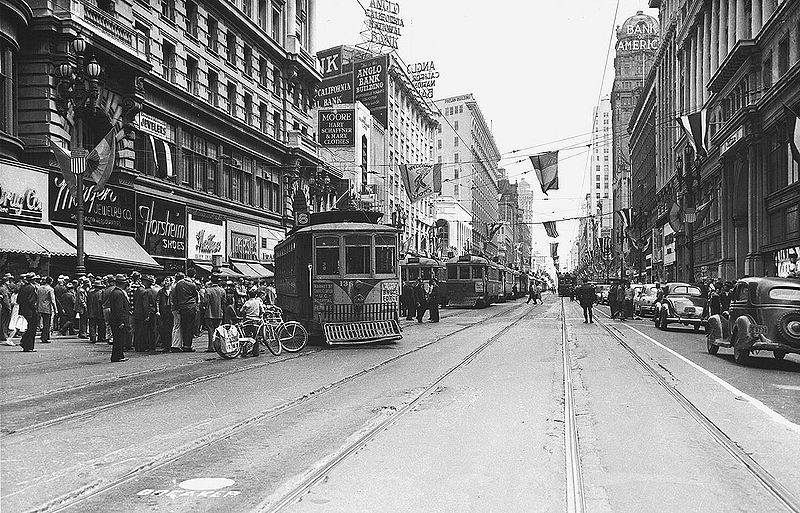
(330, 64)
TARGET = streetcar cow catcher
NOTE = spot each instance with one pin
(339, 276)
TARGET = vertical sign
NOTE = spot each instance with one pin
(370, 84)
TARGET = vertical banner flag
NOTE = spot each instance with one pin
(546, 166)
(550, 228)
(696, 125)
(554, 250)
(100, 162)
(625, 215)
(65, 165)
(421, 180)
(794, 141)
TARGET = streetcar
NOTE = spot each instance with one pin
(472, 281)
(339, 276)
(506, 283)
(566, 284)
(522, 281)
(423, 268)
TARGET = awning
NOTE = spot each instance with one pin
(265, 273)
(222, 271)
(48, 239)
(112, 248)
(13, 240)
(245, 269)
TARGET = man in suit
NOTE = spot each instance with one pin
(587, 297)
(214, 300)
(119, 313)
(407, 301)
(5, 306)
(184, 301)
(421, 298)
(28, 302)
(434, 299)
(46, 307)
(94, 312)
(144, 315)
(68, 302)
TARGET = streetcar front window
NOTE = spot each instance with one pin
(327, 255)
(452, 272)
(413, 274)
(477, 272)
(357, 254)
(426, 273)
(385, 254)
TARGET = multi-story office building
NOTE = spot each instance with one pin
(739, 60)
(601, 167)
(466, 148)
(395, 126)
(210, 106)
(637, 44)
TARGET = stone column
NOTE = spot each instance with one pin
(794, 45)
(757, 22)
(691, 57)
(292, 44)
(714, 48)
(742, 26)
(767, 8)
(732, 32)
(707, 52)
(723, 30)
(754, 265)
(701, 67)
(311, 24)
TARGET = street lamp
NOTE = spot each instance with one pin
(78, 87)
(687, 180)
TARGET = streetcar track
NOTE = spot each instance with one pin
(309, 480)
(767, 480)
(95, 488)
(575, 501)
(116, 379)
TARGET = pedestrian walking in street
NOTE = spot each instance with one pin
(531, 294)
(612, 299)
(184, 301)
(5, 307)
(145, 305)
(106, 302)
(46, 307)
(94, 312)
(29, 309)
(59, 289)
(68, 310)
(119, 315)
(539, 290)
(587, 297)
(434, 298)
(625, 300)
(714, 301)
(421, 299)
(214, 300)
(407, 301)
(659, 298)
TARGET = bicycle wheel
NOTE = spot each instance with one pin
(267, 337)
(292, 335)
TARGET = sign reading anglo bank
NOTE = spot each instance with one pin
(370, 81)
(424, 76)
(337, 128)
(384, 22)
(112, 208)
(205, 238)
(161, 227)
(22, 195)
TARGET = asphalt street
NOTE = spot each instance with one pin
(464, 415)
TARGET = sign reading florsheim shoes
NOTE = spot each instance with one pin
(161, 226)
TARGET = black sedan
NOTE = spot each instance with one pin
(682, 303)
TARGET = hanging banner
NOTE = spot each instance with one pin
(161, 227)
(111, 209)
(421, 180)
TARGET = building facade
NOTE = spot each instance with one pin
(469, 156)
(601, 168)
(739, 60)
(637, 44)
(210, 109)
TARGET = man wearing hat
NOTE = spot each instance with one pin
(214, 300)
(81, 298)
(119, 313)
(46, 307)
(94, 313)
(5, 306)
(105, 302)
(28, 308)
(144, 315)
(184, 301)
(68, 310)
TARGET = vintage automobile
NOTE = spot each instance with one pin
(682, 303)
(602, 293)
(645, 300)
(764, 316)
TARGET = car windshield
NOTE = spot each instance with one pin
(683, 290)
(785, 294)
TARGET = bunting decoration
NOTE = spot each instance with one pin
(625, 216)
(676, 218)
(554, 250)
(421, 180)
(546, 167)
(550, 228)
(100, 161)
(65, 165)
(794, 141)
(696, 126)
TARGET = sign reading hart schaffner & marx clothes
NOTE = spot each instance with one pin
(161, 226)
(337, 127)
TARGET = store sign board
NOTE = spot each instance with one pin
(337, 128)
(155, 127)
(23, 194)
(161, 226)
(424, 76)
(243, 247)
(384, 22)
(330, 62)
(112, 209)
(335, 90)
(370, 82)
(205, 238)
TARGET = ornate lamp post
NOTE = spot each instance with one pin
(79, 87)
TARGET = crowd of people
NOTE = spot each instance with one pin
(130, 312)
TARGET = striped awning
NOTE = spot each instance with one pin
(14, 240)
(113, 248)
(48, 239)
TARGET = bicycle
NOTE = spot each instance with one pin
(231, 340)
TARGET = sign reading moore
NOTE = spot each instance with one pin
(337, 127)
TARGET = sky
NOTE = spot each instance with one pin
(535, 68)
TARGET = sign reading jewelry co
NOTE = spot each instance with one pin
(112, 209)
(206, 238)
(161, 227)
(22, 194)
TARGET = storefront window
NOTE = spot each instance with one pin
(357, 254)
(327, 258)
(385, 254)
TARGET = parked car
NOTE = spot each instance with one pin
(645, 300)
(764, 316)
(602, 293)
(682, 303)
